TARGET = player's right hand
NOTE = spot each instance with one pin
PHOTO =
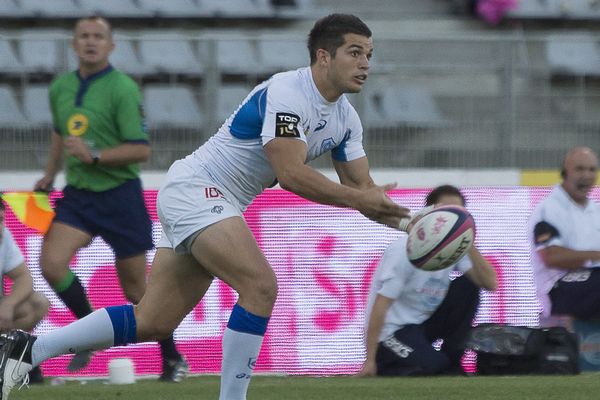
(44, 185)
(375, 204)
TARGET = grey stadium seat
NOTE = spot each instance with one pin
(8, 59)
(236, 56)
(10, 112)
(114, 8)
(230, 97)
(36, 105)
(395, 105)
(169, 53)
(282, 55)
(171, 105)
(237, 8)
(173, 8)
(9, 8)
(573, 54)
(54, 8)
(40, 50)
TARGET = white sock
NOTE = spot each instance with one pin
(93, 332)
(240, 351)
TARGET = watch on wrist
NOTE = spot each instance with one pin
(95, 156)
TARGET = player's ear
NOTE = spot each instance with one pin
(322, 57)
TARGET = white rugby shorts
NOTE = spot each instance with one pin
(188, 202)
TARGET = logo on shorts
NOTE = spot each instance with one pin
(213, 193)
(286, 125)
(252, 362)
(217, 210)
(400, 349)
(77, 124)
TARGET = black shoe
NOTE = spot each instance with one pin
(15, 360)
(35, 376)
(174, 370)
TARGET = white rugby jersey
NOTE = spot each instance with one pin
(560, 221)
(416, 293)
(287, 105)
(10, 254)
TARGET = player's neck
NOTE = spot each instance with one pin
(324, 85)
(86, 70)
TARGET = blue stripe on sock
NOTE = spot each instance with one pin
(124, 325)
(243, 321)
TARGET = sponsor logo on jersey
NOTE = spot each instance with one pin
(213, 193)
(217, 210)
(77, 124)
(286, 125)
(320, 125)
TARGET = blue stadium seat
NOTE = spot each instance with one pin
(573, 55)
(36, 105)
(172, 105)
(10, 111)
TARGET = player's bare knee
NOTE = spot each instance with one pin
(266, 292)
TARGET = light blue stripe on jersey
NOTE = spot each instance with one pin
(339, 153)
(248, 121)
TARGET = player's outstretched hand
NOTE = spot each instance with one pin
(375, 204)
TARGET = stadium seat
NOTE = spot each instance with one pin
(236, 56)
(114, 8)
(237, 8)
(394, 105)
(173, 8)
(40, 50)
(171, 105)
(36, 106)
(282, 55)
(230, 97)
(54, 8)
(573, 55)
(169, 52)
(10, 112)
(8, 59)
(10, 9)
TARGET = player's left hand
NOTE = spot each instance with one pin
(76, 147)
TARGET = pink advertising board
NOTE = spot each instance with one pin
(323, 258)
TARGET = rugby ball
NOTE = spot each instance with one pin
(440, 238)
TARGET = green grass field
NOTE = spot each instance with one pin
(584, 387)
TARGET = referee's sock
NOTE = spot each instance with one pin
(242, 341)
(71, 292)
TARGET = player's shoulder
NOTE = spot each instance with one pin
(61, 80)
(123, 80)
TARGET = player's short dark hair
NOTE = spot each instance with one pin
(328, 33)
(444, 190)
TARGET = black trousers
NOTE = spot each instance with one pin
(410, 351)
(577, 294)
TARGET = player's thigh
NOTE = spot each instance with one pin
(176, 284)
(60, 244)
(229, 251)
